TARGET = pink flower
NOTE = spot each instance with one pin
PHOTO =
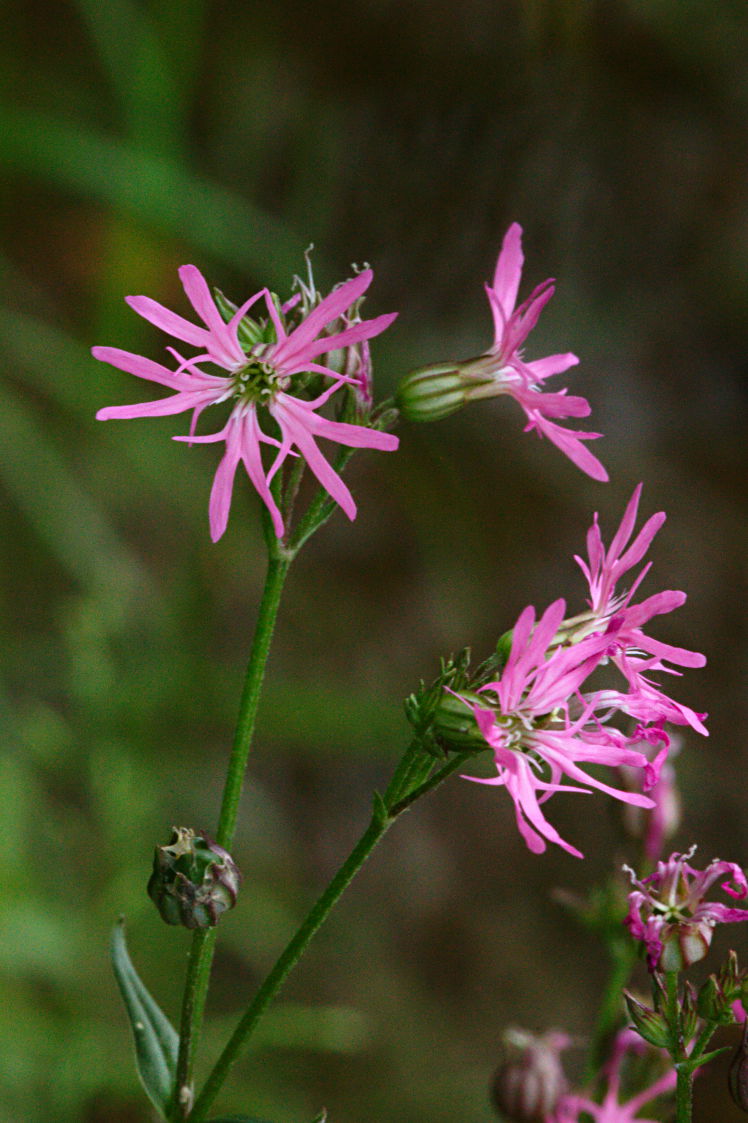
(257, 380)
(573, 1108)
(632, 650)
(511, 374)
(668, 913)
(541, 728)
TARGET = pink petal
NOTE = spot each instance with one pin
(223, 484)
(169, 321)
(296, 424)
(139, 366)
(328, 310)
(326, 343)
(250, 453)
(550, 365)
(571, 444)
(164, 407)
(508, 272)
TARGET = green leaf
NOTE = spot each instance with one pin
(155, 1039)
(321, 1118)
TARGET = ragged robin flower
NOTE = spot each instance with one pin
(668, 912)
(541, 728)
(435, 391)
(265, 370)
(632, 650)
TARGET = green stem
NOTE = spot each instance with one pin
(193, 1006)
(203, 942)
(287, 961)
(268, 611)
(683, 1095)
(400, 794)
(684, 1073)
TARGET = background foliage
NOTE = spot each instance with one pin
(136, 136)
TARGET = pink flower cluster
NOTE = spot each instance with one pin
(536, 718)
(668, 912)
(256, 379)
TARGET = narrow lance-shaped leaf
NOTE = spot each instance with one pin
(155, 1039)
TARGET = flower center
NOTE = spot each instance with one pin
(258, 381)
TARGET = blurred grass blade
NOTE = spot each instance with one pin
(158, 191)
(139, 71)
(155, 1039)
(63, 515)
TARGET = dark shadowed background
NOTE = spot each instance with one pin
(137, 136)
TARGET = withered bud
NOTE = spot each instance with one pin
(530, 1081)
(194, 879)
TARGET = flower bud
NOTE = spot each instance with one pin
(530, 1082)
(433, 392)
(648, 1023)
(194, 880)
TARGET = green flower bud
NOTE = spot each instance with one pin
(648, 1023)
(433, 392)
(194, 880)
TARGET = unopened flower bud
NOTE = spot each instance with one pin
(648, 1023)
(530, 1082)
(433, 392)
(194, 880)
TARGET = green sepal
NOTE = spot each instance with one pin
(154, 1037)
(249, 331)
(321, 1118)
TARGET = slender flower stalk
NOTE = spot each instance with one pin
(411, 780)
(203, 944)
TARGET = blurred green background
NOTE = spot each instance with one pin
(140, 135)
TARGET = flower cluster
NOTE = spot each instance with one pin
(536, 718)
(260, 364)
(668, 912)
(435, 391)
